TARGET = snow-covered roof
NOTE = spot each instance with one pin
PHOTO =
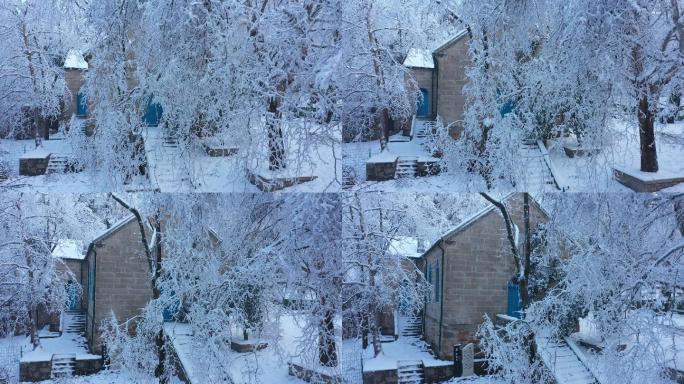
(407, 246)
(69, 249)
(74, 60)
(113, 228)
(451, 41)
(419, 58)
(477, 216)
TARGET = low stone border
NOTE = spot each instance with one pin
(266, 184)
(215, 151)
(640, 185)
(311, 376)
(579, 152)
(247, 346)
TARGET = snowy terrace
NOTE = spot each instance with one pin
(205, 362)
(12, 150)
(576, 174)
(669, 348)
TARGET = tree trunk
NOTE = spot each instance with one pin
(649, 156)
(33, 326)
(375, 332)
(327, 350)
(386, 125)
(524, 294)
(276, 145)
(364, 331)
(156, 292)
(245, 334)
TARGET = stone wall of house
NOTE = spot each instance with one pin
(451, 78)
(423, 79)
(478, 267)
(74, 78)
(122, 282)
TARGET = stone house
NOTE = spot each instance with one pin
(440, 76)
(116, 277)
(470, 268)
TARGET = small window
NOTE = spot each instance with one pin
(437, 282)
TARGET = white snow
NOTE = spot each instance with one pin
(268, 365)
(66, 344)
(404, 348)
(69, 249)
(405, 246)
(74, 60)
(419, 58)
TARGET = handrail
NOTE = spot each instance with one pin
(545, 154)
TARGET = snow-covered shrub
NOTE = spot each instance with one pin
(511, 354)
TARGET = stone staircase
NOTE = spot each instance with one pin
(62, 366)
(423, 128)
(57, 164)
(537, 173)
(562, 361)
(74, 322)
(406, 167)
(410, 372)
(170, 141)
(411, 326)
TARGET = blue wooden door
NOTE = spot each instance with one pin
(81, 105)
(513, 300)
(72, 296)
(170, 312)
(423, 103)
(153, 114)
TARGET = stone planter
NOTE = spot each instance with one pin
(651, 183)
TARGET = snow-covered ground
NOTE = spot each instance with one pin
(578, 174)
(188, 168)
(592, 173)
(267, 365)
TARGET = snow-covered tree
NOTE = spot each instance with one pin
(622, 273)
(31, 57)
(377, 280)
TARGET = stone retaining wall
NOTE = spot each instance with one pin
(35, 370)
(87, 366)
(388, 376)
(380, 171)
(33, 166)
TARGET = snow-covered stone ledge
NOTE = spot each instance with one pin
(646, 181)
(34, 163)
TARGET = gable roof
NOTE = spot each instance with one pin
(451, 41)
(476, 217)
(113, 229)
